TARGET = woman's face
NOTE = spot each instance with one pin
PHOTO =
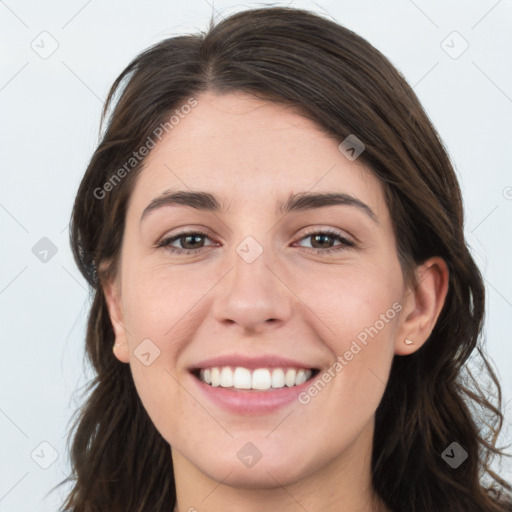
(264, 288)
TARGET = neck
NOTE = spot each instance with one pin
(342, 485)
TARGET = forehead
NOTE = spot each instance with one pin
(249, 151)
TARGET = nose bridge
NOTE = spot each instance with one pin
(252, 293)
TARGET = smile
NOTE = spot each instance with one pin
(260, 379)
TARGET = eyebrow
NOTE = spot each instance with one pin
(296, 202)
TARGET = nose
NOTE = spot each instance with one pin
(253, 295)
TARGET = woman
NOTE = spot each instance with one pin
(284, 302)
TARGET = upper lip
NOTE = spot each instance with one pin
(264, 361)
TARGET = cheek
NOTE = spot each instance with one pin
(348, 300)
(356, 310)
(160, 317)
(160, 395)
(159, 302)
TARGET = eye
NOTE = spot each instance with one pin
(189, 240)
(323, 238)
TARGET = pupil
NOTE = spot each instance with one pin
(324, 237)
(193, 237)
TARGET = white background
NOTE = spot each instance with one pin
(49, 119)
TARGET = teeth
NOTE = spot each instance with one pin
(226, 378)
(242, 378)
(289, 378)
(278, 378)
(301, 377)
(260, 379)
(215, 376)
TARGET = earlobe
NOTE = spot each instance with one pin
(423, 305)
(113, 300)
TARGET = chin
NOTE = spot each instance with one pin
(274, 467)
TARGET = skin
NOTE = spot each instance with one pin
(251, 154)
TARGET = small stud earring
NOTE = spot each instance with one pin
(408, 342)
(116, 345)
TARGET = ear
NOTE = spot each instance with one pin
(112, 291)
(422, 305)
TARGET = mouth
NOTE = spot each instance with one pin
(243, 384)
(258, 379)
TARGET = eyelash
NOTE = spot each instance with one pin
(165, 243)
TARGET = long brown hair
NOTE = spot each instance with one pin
(119, 461)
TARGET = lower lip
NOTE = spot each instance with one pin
(251, 401)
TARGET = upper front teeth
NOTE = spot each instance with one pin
(262, 378)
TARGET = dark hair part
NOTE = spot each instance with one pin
(331, 75)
